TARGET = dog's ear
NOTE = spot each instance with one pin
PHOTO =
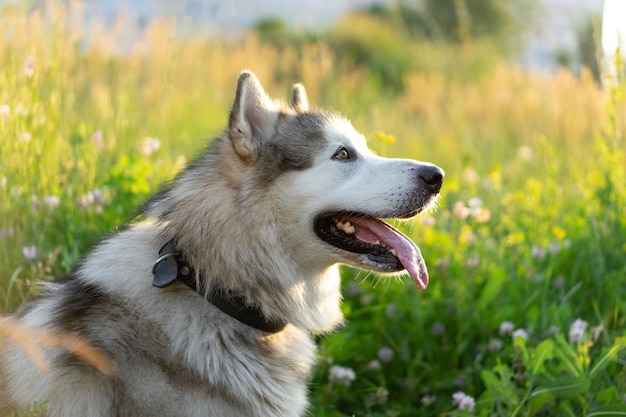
(299, 101)
(252, 116)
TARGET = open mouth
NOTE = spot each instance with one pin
(376, 244)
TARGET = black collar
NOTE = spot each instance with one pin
(171, 266)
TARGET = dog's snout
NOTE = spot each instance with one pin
(432, 177)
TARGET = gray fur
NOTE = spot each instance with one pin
(242, 215)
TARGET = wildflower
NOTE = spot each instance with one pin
(5, 111)
(438, 329)
(506, 327)
(385, 354)
(442, 263)
(150, 146)
(34, 203)
(354, 289)
(52, 201)
(342, 375)
(475, 203)
(24, 137)
(29, 66)
(460, 210)
(470, 175)
(7, 232)
(525, 153)
(467, 236)
(366, 299)
(382, 395)
(29, 252)
(3, 181)
(577, 330)
(474, 261)
(462, 401)
(519, 333)
(428, 400)
(97, 139)
(537, 252)
(494, 345)
(374, 365)
(94, 197)
(385, 138)
(554, 330)
(559, 282)
(483, 216)
(554, 248)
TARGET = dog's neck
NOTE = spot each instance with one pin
(171, 266)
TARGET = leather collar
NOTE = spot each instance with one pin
(171, 266)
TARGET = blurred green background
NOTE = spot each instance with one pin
(525, 314)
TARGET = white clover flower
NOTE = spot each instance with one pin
(554, 248)
(428, 400)
(52, 202)
(374, 366)
(342, 375)
(495, 345)
(538, 252)
(385, 354)
(577, 330)
(475, 203)
(30, 252)
(462, 401)
(519, 333)
(506, 327)
(150, 146)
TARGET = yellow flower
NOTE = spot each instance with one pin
(558, 232)
(385, 138)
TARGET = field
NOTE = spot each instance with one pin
(526, 311)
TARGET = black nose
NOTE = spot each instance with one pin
(432, 177)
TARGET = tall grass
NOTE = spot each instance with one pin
(529, 233)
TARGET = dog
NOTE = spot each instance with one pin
(205, 305)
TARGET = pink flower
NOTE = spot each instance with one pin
(5, 111)
(29, 66)
(506, 327)
(385, 354)
(462, 401)
(150, 146)
(29, 252)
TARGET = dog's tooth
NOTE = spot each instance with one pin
(377, 243)
(393, 251)
(346, 227)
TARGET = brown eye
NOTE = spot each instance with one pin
(342, 154)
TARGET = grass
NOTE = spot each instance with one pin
(528, 238)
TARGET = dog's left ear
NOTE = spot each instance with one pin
(252, 117)
(299, 101)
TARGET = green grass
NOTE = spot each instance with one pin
(530, 229)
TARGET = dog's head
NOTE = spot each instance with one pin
(329, 188)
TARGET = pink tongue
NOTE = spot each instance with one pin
(409, 254)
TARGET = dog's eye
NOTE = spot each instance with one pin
(342, 154)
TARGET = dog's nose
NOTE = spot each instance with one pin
(432, 177)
